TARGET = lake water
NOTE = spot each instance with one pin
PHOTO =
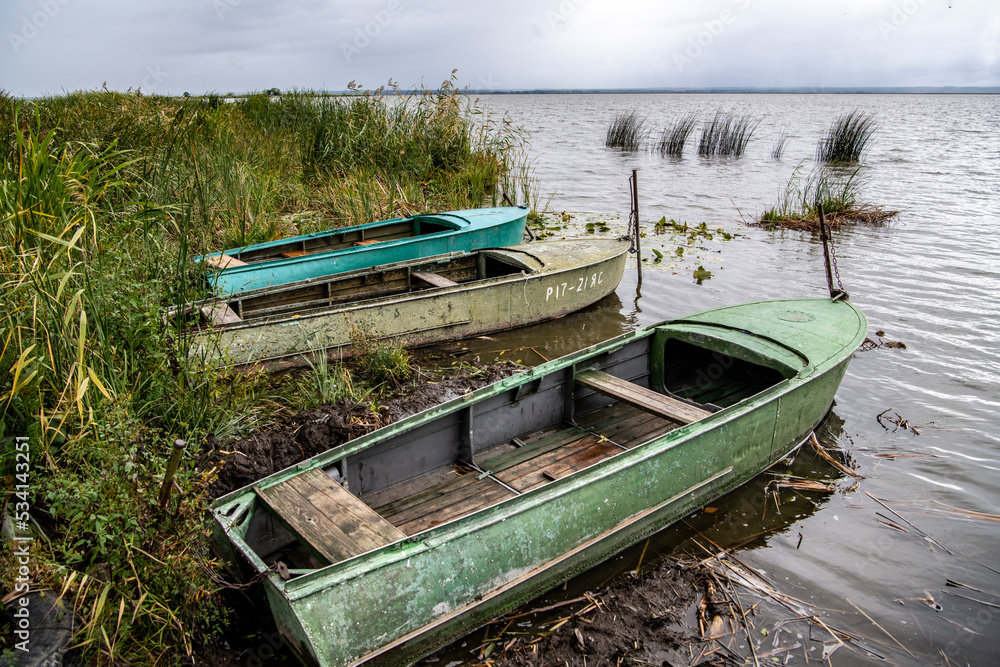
(930, 278)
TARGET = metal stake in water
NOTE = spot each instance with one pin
(824, 236)
(634, 222)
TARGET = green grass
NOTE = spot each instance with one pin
(104, 197)
(848, 138)
(727, 134)
(626, 131)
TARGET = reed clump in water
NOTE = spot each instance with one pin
(626, 131)
(848, 138)
(674, 138)
(104, 197)
(727, 134)
(836, 189)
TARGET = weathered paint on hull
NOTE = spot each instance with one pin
(403, 600)
(476, 228)
(561, 287)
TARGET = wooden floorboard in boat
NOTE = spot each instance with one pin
(486, 492)
(547, 454)
(558, 463)
(627, 425)
(452, 485)
(553, 439)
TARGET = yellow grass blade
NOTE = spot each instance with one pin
(97, 382)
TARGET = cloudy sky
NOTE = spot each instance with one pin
(173, 46)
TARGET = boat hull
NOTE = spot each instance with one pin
(467, 230)
(572, 275)
(393, 604)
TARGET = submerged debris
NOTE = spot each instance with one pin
(870, 344)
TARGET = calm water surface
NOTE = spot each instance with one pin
(930, 279)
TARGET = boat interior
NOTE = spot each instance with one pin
(390, 230)
(494, 450)
(359, 286)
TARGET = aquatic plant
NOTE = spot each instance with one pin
(779, 144)
(848, 138)
(836, 189)
(727, 134)
(626, 131)
(673, 138)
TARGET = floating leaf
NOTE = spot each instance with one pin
(701, 274)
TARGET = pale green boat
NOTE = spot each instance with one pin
(333, 251)
(389, 546)
(413, 303)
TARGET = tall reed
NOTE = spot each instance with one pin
(626, 131)
(778, 148)
(848, 138)
(727, 134)
(673, 138)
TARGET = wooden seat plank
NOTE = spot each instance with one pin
(327, 517)
(433, 279)
(360, 243)
(223, 262)
(294, 253)
(220, 314)
(641, 397)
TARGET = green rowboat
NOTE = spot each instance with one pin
(389, 546)
(415, 303)
(335, 251)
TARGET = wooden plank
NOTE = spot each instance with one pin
(433, 279)
(629, 426)
(558, 463)
(552, 440)
(358, 243)
(454, 495)
(488, 493)
(223, 262)
(327, 517)
(294, 253)
(452, 486)
(640, 397)
(220, 314)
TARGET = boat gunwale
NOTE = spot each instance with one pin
(332, 232)
(238, 502)
(448, 217)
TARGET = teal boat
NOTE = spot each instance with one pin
(387, 547)
(350, 248)
(417, 302)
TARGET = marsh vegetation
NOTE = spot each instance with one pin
(104, 197)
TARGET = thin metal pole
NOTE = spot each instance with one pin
(826, 251)
(635, 222)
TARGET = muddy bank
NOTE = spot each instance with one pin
(672, 614)
(242, 462)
